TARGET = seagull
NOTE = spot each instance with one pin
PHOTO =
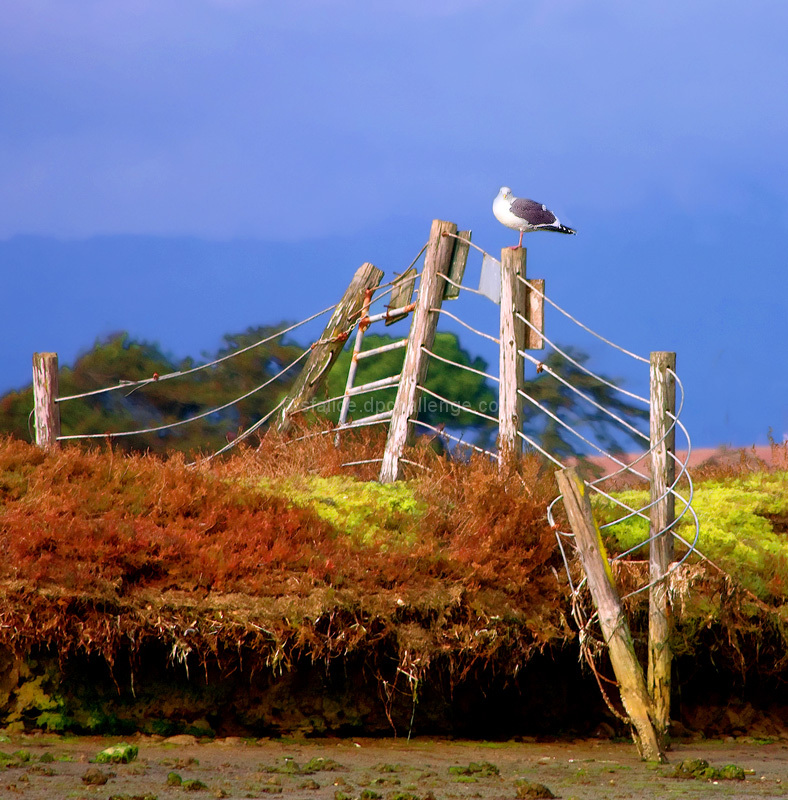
(525, 215)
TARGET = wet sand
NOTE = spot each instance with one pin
(367, 769)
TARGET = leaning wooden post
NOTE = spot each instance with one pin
(663, 471)
(45, 392)
(512, 342)
(437, 261)
(612, 620)
(325, 352)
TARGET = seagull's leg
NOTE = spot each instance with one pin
(519, 244)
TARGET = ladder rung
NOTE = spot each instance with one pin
(382, 417)
(372, 385)
(392, 312)
(382, 349)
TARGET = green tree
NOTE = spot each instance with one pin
(455, 384)
(166, 401)
(576, 412)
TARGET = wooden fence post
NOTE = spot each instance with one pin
(459, 261)
(512, 341)
(662, 514)
(612, 620)
(45, 392)
(534, 305)
(325, 352)
(437, 261)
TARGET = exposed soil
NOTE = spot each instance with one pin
(391, 769)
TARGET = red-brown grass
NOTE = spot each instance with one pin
(103, 550)
(102, 524)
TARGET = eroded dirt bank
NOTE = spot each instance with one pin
(367, 692)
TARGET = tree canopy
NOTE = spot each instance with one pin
(255, 372)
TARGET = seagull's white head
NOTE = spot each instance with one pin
(505, 191)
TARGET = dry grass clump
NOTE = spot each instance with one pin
(93, 522)
(730, 463)
(309, 449)
(493, 523)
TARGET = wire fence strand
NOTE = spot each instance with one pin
(183, 373)
(180, 422)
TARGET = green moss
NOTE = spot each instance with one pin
(732, 772)
(737, 529)
(528, 790)
(118, 754)
(700, 769)
(291, 767)
(319, 764)
(54, 722)
(370, 513)
(483, 769)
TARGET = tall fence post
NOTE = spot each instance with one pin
(662, 514)
(45, 392)
(612, 619)
(534, 305)
(324, 353)
(437, 261)
(512, 342)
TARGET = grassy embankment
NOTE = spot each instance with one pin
(278, 553)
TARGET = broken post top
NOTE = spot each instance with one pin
(325, 351)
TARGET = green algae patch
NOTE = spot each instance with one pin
(700, 769)
(320, 764)
(118, 754)
(290, 766)
(742, 527)
(528, 790)
(369, 513)
(483, 769)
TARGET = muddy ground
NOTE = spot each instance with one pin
(390, 769)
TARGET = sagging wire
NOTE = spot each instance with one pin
(189, 419)
(580, 324)
(444, 434)
(181, 373)
(466, 367)
(444, 312)
(580, 366)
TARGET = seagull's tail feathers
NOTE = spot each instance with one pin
(557, 228)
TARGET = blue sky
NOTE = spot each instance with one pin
(170, 167)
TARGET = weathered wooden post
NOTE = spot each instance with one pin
(534, 308)
(437, 261)
(325, 352)
(512, 342)
(459, 260)
(45, 392)
(612, 620)
(662, 514)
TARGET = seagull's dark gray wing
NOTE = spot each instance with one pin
(532, 212)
